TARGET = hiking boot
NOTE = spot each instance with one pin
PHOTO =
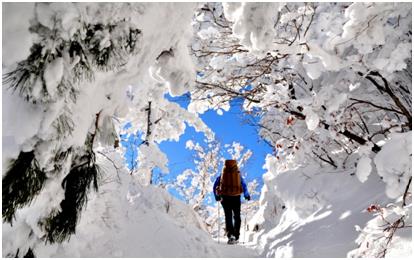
(232, 240)
(236, 240)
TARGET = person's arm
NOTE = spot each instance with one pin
(245, 191)
(216, 183)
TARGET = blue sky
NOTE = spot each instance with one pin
(228, 128)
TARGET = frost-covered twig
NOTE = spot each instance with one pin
(359, 101)
(329, 160)
(117, 168)
(406, 192)
(386, 88)
(149, 124)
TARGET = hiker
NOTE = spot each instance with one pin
(227, 189)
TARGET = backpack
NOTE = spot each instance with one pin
(230, 181)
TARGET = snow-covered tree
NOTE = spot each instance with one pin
(89, 68)
(60, 63)
(293, 96)
(330, 81)
(196, 186)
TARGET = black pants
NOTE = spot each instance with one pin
(231, 206)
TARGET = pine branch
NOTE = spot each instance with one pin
(61, 224)
(84, 173)
(64, 125)
(27, 73)
(82, 69)
(22, 182)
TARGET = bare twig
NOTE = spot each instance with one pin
(329, 160)
(359, 101)
(406, 192)
(386, 88)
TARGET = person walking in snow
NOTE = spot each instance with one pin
(227, 189)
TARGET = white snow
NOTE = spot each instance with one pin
(252, 23)
(307, 207)
(354, 86)
(394, 161)
(16, 19)
(14, 135)
(329, 61)
(312, 119)
(363, 168)
(148, 222)
(208, 33)
(397, 61)
(122, 94)
(302, 216)
(335, 103)
(150, 157)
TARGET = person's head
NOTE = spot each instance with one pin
(230, 166)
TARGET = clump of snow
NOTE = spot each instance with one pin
(353, 87)
(335, 102)
(174, 68)
(199, 106)
(363, 168)
(313, 66)
(397, 59)
(393, 163)
(189, 144)
(218, 62)
(252, 23)
(208, 33)
(149, 157)
(358, 14)
(329, 61)
(312, 119)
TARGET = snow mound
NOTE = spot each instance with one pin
(297, 206)
(394, 163)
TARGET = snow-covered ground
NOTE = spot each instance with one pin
(125, 219)
(306, 212)
(327, 232)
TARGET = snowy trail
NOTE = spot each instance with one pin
(244, 248)
(239, 250)
(147, 222)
